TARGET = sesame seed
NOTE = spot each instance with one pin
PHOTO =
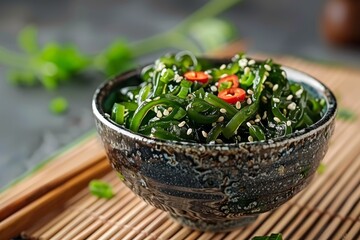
(159, 66)
(236, 57)
(269, 84)
(289, 97)
(136, 96)
(218, 140)
(251, 62)
(248, 101)
(178, 78)
(275, 87)
(189, 131)
(246, 70)
(166, 112)
(213, 124)
(284, 111)
(243, 62)
(212, 142)
(284, 74)
(299, 92)
(252, 122)
(163, 71)
(224, 75)
(249, 91)
(276, 119)
(157, 98)
(264, 78)
(182, 124)
(221, 119)
(257, 116)
(213, 88)
(276, 100)
(267, 67)
(156, 109)
(151, 135)
(265, 115)
(238, 105)
(170, 109)
(222, 67)
(204, 134)
(148, 100)
(159, 114)
(250, 139)
(257, 120)
(222, 110)
(264, 99)
(248, 124)
(288, 123)
(291, 106)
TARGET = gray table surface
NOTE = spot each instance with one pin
(29, 132)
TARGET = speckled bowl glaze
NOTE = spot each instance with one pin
(215, 187)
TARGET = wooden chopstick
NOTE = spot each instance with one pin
(23, 218)
(49, 180)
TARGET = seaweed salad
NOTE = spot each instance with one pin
(182, 98)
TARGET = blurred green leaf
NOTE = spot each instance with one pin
(58, 105)
(321, 169)
(117, 58)
(101, 189)
(211, 33)
(54, 64)
(346, 115)
(27, 39)
(62, 61)
(22, 78)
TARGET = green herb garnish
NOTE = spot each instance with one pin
(121, 177)
(273, 236)
(101, 189)
(346, 114)
(321, 169)
(58, 105)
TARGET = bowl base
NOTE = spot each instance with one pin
(214, 226)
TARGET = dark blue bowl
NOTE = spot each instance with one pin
(215, 187)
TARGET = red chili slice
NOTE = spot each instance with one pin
(232, 95)
(197, 76)
(233, 79)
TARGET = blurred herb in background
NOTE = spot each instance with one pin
(345, 114)
(54, 64)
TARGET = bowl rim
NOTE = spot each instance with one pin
(283, 140)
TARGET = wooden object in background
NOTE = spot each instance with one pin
(341, 22)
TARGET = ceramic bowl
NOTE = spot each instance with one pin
(216, 187)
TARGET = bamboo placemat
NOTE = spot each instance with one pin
(54, 203)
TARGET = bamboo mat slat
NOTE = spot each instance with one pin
(328, 209)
